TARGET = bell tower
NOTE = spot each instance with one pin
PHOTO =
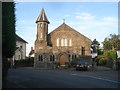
(42, 31)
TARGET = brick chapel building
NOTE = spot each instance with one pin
(63, 44)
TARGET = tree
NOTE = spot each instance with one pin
(8, 36)
(111, 43)
(8, 29)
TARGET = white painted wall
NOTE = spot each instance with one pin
(118, 54)
(21, 52)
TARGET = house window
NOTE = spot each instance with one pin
(19, 57)
(83, 50)
(21, 47)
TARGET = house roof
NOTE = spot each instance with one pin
(42, 17)
(20, 39)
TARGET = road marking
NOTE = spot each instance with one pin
(103, 79)
(96, 78)
(73, 74)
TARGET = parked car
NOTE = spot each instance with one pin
(81, 65)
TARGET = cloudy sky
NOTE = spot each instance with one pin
(96, 20)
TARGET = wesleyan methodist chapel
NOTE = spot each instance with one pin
(62, 45)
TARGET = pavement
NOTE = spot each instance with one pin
(98, 68)
(102, 68)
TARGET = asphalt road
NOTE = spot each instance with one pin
(46, 78)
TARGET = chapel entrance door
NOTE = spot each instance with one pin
(62, 59)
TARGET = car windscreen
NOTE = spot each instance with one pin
(81, 63)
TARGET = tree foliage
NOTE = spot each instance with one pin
(8, 36)
(111, 54)
(113, 42)
(8, 29)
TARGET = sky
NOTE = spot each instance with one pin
(95, 20)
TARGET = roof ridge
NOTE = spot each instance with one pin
(20, 39)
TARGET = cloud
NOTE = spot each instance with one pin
(109, 18)
(67, 15)
(82, 28)
(25, 21)
(94, 27)
(85, 16)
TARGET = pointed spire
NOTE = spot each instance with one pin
(42, 17)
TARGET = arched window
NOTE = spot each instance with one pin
(57, 42)
(69, 57)
(40, 58)
(44, 27)
(40, 25)
(37, 25)
(62, 44)
(53, 57)
(65, 42)
(75, 57)
(72, 57)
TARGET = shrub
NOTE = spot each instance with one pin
(25, 62)
(110, 54)
(102, 62)
(109, 63)
(102, 59)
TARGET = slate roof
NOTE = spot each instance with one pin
(20, 39)
(42, 17)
